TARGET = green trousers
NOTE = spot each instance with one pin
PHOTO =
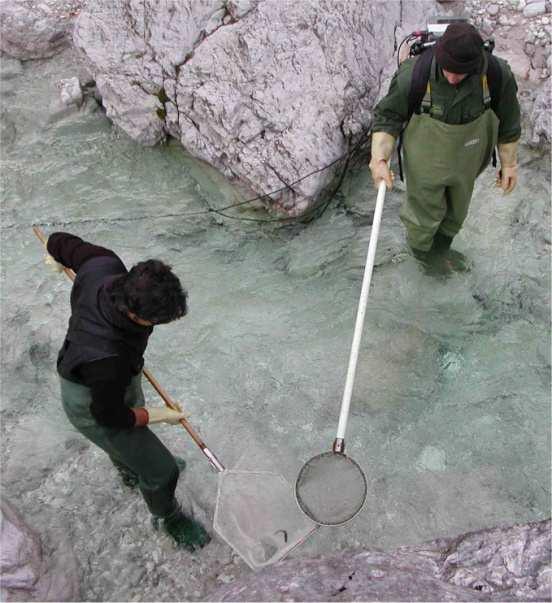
(137, 449)
(442, 162)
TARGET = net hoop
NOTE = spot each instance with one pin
(355, 479)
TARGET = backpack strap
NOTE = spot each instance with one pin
(419, 84)
(485, 83)
(486, 91)
(420, 89)
(494, 79)
(494, 83)
(425, 106)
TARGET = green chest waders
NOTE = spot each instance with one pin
(442, 162)
(137, 449)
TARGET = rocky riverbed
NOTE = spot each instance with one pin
(451, 409)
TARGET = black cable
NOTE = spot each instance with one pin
(407, 40)
(317, 212)
(220, 210)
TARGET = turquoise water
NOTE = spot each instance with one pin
(450, 416)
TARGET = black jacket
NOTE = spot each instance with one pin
(103, 348)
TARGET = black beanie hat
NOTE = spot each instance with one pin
(460, 49)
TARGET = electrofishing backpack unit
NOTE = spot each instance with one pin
(422, 44)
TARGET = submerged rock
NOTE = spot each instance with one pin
(11, 68)
(266, 91)
(28, 572)
(8, 131)
(501, 564)
(71, 92)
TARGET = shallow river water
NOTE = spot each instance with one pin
(450, 416)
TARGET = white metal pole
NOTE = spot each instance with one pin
(346, 402)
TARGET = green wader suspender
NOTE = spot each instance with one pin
(442, 162)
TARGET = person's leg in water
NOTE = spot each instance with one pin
(451, 259)
(144, 456)
(130, 479)
(441, 260)
(185, 531)
(441, 242)
(430, 249)
(432, 216)
(458, 199)
(158, 471)
(421, 213)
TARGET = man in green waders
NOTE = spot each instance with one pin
(113, 312)
(449, 142)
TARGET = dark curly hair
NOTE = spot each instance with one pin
(151, 291)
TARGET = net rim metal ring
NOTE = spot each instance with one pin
(350, 460)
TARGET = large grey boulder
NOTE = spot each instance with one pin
(267, 91)
(28, 571)
(501, 564)
(33, 29)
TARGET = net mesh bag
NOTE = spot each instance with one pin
(331, 488)
(258, 516)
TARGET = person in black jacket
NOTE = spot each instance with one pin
(113, 312)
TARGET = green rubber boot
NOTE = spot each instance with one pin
(186, 532)
(455, 261)
(441, 242)
(441, 261)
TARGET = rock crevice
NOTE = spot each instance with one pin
(265, 91)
